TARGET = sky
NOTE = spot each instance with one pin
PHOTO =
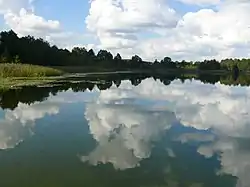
(152, 29)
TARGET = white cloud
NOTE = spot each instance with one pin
(207, 33)
(220, 32)
(20, 16)
(27, 23)
(117, 23)
(14, 5)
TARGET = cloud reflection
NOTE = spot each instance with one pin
(18, 124)
(124, 132)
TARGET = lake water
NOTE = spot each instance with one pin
(143, 132)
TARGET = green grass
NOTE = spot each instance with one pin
(14, 75)
(8, 70)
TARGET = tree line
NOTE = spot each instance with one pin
(37, 51)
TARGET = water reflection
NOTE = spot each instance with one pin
(125, 132)
(234, 155)
(221, 109)
(18, 124)
(9, 99)
(145, 131)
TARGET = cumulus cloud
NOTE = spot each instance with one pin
(20, 17)
(26, 23)
(116, 23)
(208, 33)
(219, 32)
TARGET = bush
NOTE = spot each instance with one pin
(26, 70)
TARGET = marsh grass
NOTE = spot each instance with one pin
(13, 83)
(26, 70)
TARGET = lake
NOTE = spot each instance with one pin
(134, 131)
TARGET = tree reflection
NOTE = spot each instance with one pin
(9, 99)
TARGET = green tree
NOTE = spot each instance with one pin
(79, 51)
(118, 57)
(167, 60)
(136, 58)
(104, 55)
(91, 53)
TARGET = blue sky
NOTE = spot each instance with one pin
(182, 29)
(70, 13)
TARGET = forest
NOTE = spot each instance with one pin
(36, 51)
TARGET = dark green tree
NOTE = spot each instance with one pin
(136, 58)
(104, 55)
(118, 57)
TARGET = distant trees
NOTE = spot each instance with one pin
(38, 51)
(167, 62)
(209, 65)
(242, 64)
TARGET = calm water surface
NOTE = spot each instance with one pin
(119, 134)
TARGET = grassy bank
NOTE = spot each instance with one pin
(8, 70)
(17, 75)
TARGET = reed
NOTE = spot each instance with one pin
(27, 70)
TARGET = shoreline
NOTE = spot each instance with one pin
(18, 82)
